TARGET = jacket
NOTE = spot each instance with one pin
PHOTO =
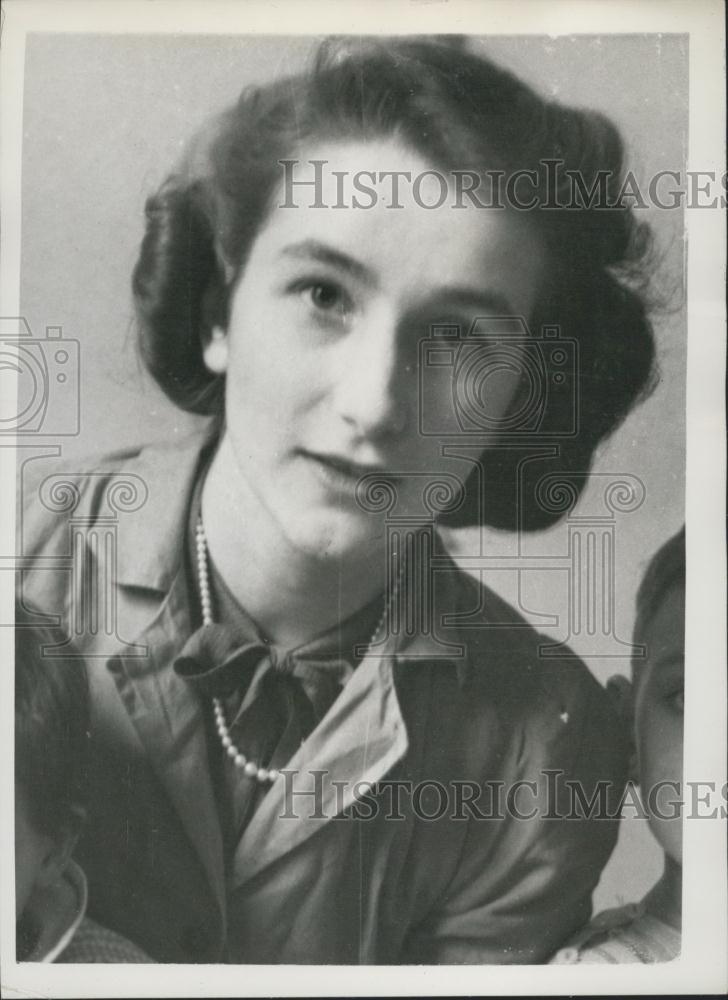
(424, 819)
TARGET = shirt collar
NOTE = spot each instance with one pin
(57, 911)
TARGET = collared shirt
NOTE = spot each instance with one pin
(350, 858)
(624, 934)
(63, 932)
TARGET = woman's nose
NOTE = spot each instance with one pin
(373, 384)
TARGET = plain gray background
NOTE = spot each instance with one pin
(105, 118)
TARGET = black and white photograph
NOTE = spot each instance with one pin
(362, 424)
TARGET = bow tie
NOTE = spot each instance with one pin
(272, 701)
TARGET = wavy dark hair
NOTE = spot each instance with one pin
(665, 569)
(51, 726)
(458, 111)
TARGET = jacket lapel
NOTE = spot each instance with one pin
(170, 724)
(360, 739)
(152, 604)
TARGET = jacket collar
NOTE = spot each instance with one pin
(152, 539)
(58, 911)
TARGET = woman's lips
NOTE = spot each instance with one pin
(339, 472)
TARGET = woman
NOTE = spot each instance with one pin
(307, 678)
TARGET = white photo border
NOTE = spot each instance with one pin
(703, 965)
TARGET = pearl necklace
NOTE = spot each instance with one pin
(262, 774)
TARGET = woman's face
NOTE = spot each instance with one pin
(321, 353)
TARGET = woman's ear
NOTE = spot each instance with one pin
(621, 693)
(215, 351)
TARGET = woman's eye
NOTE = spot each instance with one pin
(328, 297)
(325, 296)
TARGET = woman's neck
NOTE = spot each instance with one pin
(664, 900)
(291, 595)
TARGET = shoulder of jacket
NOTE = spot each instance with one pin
(50, 491)
(48, 485)
(34, 471)
(503, 645)
(551, 705)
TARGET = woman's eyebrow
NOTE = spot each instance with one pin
(481, 300)
(314, 250)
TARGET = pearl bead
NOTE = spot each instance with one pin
(262, 775)
(226, 741)
(272, 774)
(240, 760)
(251, 769)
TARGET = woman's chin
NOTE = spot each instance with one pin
(333, 534)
